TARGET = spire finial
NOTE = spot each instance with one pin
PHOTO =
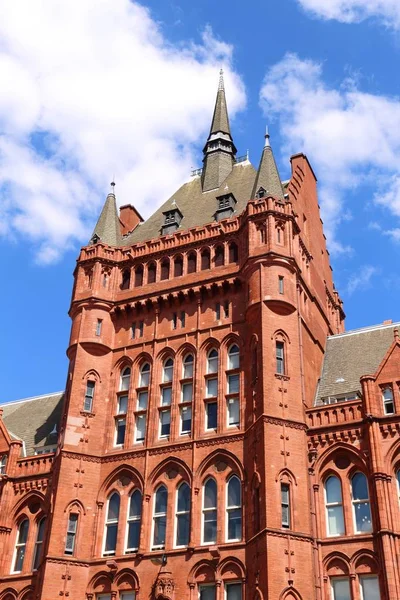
(267, 144)
(112, 187)
(221, 80)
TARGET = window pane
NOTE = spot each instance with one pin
(165, 422)
(207, 592)
(166, 396)
(212, 362)
(363, 516)
(142, 400)
(212, 388)
(359, 487)
(234, 591)
(233, 358)
(111, 538)
(186, 419)
(333, 490)
(168, 370)
(233, 384)
(235, 524)
(233, 411)
(122, 405)
(140, 428)
(161, 500)
(113, 507)
(135, 506)
(370, 588)
(69, 543)
(211, 417)
(335, 520)
(210, 494)
(133, 535)
(188, 367)
(210, 526)
(182, 530)
(184, 498)
(341, 589)
(19, 559)
(127, 596)
(160, 525)
(23, 532)
(187, 392)
(144, 376)
(121, 426)
(72, 522)
(125, 380)
(234, 492)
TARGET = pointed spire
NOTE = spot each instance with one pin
(219, 151)
(267, 176)
(107, 229)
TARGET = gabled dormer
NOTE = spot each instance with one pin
(172, 220)
(225, 207)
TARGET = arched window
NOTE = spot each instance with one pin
(211, 406)
(210, 512)
(212, 361)
(280, 357)
(166, 398)
(139, 276)
(233, 590)
(188, 366)
(160, 517)
(165, 269)
(361, 506)
(151, 273)
(37, 553)
(20, 546)
(388, 402)
(178, 266)
(134, 517)
(125, 379)
(192, 262)
(183, 515)
(168, 370)
(142, 402)
(234, 509)
(71, 533)
(205, 260)
(233, 383)
(219, 257)
(334, 506)
(3, 462)
(233, 253)
(126, 279)
(110, 542)
(186, 395)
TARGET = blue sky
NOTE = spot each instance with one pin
(98, 89)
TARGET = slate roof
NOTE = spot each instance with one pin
(268, 175)
(108, 226)
(351, 355)
(33, 419)
(198, 207)
(220, 120)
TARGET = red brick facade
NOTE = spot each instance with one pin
(189, 430)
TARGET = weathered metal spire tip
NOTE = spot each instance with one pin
(267, 144)
(112, 184)
(221, 80)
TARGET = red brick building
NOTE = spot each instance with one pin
(220, 436)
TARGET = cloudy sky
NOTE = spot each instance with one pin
(110, 89)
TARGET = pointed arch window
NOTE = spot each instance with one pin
(178, 266)
(280, 357)
(183, 515)
(210, 512)
(388, 401)
(233, 383)
(111, 532)
(38, 550)
(126, 279)
(134, 519)
(139, 276)
(20, 546)
(361, 505)
(233, 253)
(186, 395)
(142, 402)
(151, 273)
(212, 361)
(219, 256)
(211, 417)
(285, 505)
(340, 588)
(160, 517)
(165, 269)
(205, 260)
(233, 591)
(334, 506)
(234, 509)
(72, 528)
(125, 380)
(192, 262)
(89, 394)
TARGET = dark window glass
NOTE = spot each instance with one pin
(88, 403)
(192, 263)
(211, 415)
(219, 256)
(126, 279)
(205, 260)
(165, 269)
(233, 253)
(151, 273)
(178, 267)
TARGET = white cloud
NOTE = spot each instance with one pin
(361, 280)
(354, 11)
(92, 90)
(350, 136)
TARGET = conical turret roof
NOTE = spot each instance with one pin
(107, 229)
(268, 175)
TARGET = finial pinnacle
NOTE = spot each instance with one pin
(221, 80)
(112, 186)
(267, 144)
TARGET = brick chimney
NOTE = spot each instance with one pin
(129, 218)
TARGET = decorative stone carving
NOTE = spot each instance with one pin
(165, 586)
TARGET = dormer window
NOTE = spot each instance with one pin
(172, 220)
(261, 193)
(225, 207)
